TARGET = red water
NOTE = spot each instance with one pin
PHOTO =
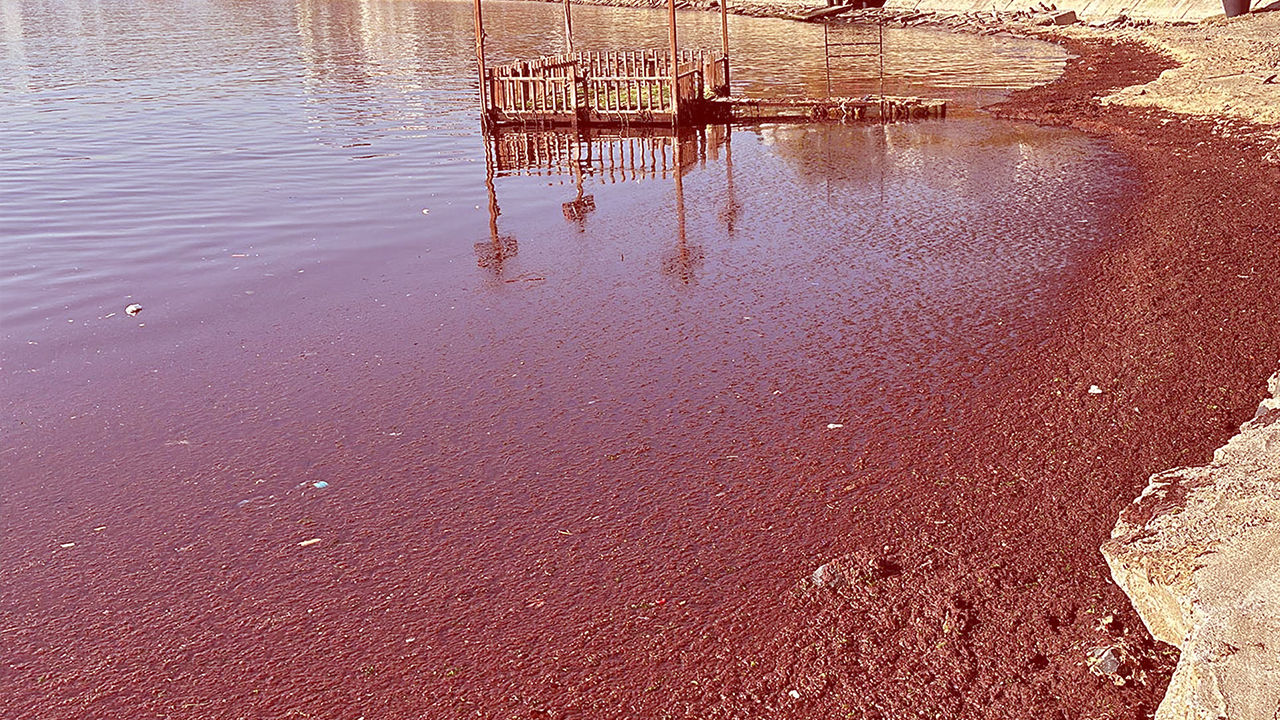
(338, 467)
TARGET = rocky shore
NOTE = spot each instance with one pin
(1199, 555)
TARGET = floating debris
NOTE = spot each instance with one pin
(133, 309)
(1095, 390)
(312, 541)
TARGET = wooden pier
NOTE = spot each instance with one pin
(607, 88)
(635, 89)
(673, 87)
(872, 108)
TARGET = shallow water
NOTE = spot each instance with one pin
(563, 462)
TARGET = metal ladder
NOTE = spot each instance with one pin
(835, 48)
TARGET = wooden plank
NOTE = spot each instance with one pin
(824, 13)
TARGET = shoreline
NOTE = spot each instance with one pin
(1171, 321)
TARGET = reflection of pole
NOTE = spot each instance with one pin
(577, 165)
(494, 254)
(484, 87)
(731, 212)
(494, 211)
(580, 205)
(675, 63)
(682, 259)
(884, 160)
(568, 27)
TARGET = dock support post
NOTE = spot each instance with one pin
(486, 118)
(724, 39)
(568, 27)
(675, 63)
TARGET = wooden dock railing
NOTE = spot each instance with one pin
(628, 86)
(546, 86)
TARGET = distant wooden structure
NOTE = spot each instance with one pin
(643, 87)
(671, 87)
(623, 88)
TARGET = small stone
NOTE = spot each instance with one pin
(1104, 661)
(828, 576)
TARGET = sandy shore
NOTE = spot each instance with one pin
(1227, 68)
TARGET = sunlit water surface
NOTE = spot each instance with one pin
(389, 438)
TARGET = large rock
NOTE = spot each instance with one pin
(1199, 555)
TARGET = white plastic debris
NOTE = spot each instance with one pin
(795, 694)
(133, 309)
(834, 426)
(1095, 390)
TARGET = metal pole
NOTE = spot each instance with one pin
(675, 62)
(568, 27)
(485, 117)
(826, 54)
(880, 25)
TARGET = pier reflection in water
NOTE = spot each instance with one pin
(609, 156)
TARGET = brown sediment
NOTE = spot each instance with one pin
(997, 591)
